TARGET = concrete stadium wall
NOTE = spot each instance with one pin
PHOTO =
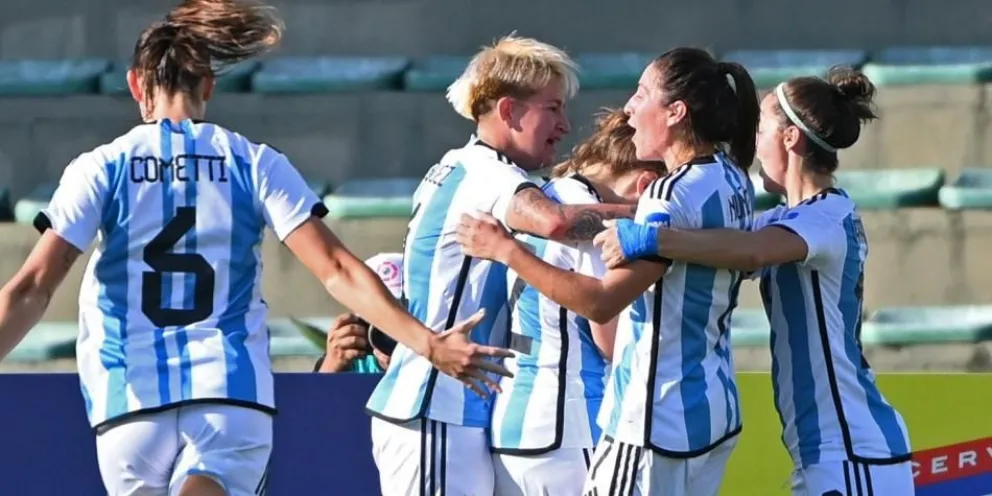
(918, 257)
(384, 134)
(108, 28)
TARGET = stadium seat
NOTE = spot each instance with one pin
(287, 340)
(364, 198)
(749, 327)
(763, 200)
(237, 79)
(434, 73)
(892, 188)
(611, 71)
(50, 77)
(27, 208)
(768, 68)
(930, 65)
(329, 74)
(47, 341)
(971, 190)
(927, 325)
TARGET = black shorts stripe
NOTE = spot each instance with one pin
(621, 456)
(423, 457)
(586, 456)
(638, 452)
(601, 459)
(433, 443)
(444, 459)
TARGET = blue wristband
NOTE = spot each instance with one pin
(637, 240)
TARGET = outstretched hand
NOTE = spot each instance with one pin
(454, 354)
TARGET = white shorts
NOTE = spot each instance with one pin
(151, 455)
(619, 468)
(561, 471)
(426, 457)
(851, 479)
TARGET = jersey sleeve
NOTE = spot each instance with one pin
(506, 181)
(287, 200)
(76, 208)
(819, 227)
(666, 205)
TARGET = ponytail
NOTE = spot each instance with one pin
(742, 143)
(202, 38)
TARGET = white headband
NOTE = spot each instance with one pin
(796, 121)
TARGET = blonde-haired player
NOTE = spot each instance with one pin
(429, 433)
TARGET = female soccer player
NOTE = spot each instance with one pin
(844, 438)
(173, 349)
(429, 432)
(670, 414)
(544, 420)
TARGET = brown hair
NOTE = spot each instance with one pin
(609, 145)
(717, 111)
(833, 108)
(201, 38)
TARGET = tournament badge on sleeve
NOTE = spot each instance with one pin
(960, 469)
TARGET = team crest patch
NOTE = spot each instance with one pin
(389, 272)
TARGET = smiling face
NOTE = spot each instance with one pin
(537, 124)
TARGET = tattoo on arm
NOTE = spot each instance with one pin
(531, 208)
(586, 222)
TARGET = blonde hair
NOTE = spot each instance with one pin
(513, 66)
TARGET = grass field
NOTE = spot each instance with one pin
(939, 409)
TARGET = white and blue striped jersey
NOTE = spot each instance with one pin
(170, 309)
(559, 373)
(825, 391)
(443, 287)
(672, 387)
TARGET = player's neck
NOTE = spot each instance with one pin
(802, 185)
(176, 108)
(682, 153)
(501, 141)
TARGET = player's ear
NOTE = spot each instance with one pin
(644, 179)
(208, 87)
(505, 108)
(791, 140)
(677, 112)
(134, 85)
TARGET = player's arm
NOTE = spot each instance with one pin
(68, 226)
(799, 236)
(532, 212)
(294, 213)
(24, 299)
(603, 336)
(597, 300)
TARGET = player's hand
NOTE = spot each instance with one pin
(609, 244)
(346, 342)
(453, 353)
(483, 237)
(624, 241)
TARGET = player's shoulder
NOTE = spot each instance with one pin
(831, 203)
(699, 175)
(480, 158)
(572, 190)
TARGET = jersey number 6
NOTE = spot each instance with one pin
(162, 261)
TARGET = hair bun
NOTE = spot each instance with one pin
(851, 84)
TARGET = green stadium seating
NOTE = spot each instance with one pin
(971, 190)
(320, 188)
(47, 341)
(27, 208)
(50, 77)
(892, 188)
(329, 74)
(364, 198)
(930, 65)
(434, 73)
(236, 79)
(287, 340)
(749, 328)
(927, 325)
(763, 200)
(768, 68)
(611, 71)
